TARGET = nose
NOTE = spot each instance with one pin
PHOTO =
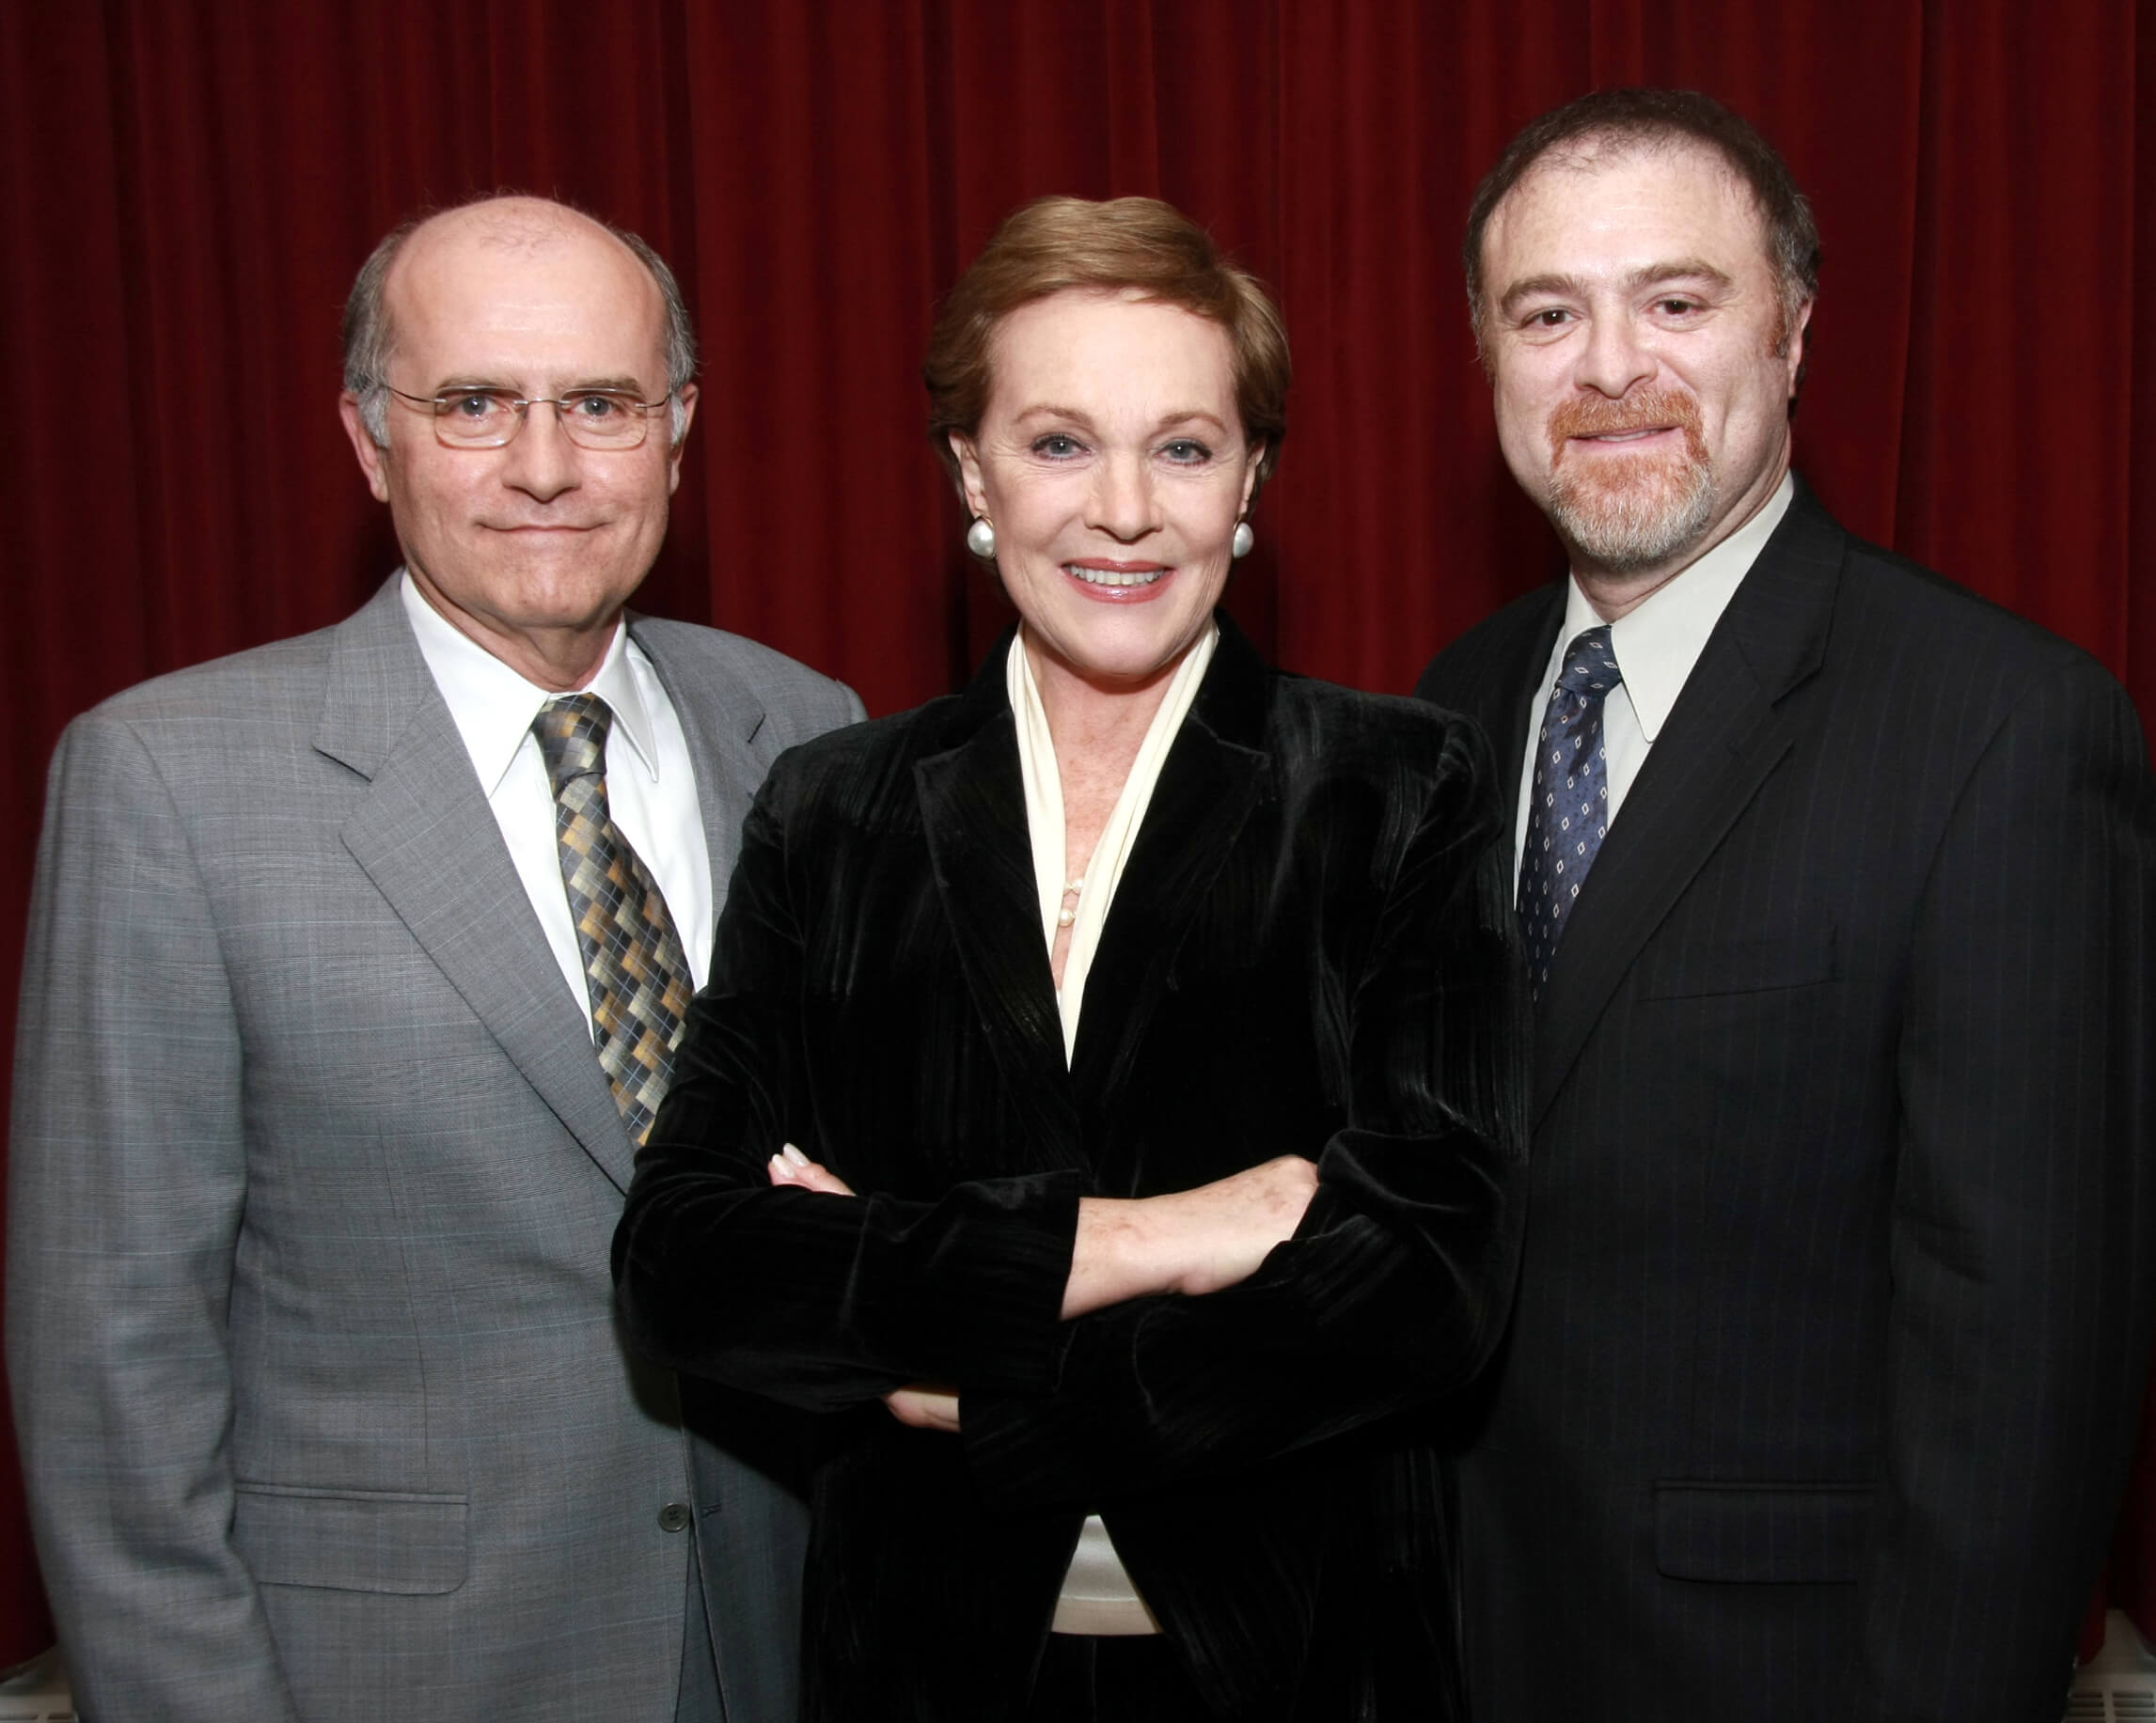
(1613, 358)
(540, 460)
(1122, 501)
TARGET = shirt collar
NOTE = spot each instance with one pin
(493, 706)
(1657, 644)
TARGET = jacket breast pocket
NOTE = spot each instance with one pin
(1680, 969)
(352, 1541)
(1760, 1533)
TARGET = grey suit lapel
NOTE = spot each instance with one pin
(427, 838)
(720, 718)
(1724, 737)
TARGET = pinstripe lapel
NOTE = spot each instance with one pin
(427, 838)
(1515, 667)
(1494, 675)
(1725, 735)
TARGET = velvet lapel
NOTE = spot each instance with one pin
(426, 837)
(1725, 735)
(1205, 791)
(973, 814)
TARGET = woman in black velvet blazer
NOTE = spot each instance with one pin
(1112, 1284)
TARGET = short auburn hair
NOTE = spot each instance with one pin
(1135, 244)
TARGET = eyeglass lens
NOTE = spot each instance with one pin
(593, 418)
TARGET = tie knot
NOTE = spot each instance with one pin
(1590, 666)
(572, 732)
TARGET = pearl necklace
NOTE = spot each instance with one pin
(1068, 914)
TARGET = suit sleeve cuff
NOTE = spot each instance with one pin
(987, 1311)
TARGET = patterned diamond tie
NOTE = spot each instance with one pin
(1570, 808)
(634, 964)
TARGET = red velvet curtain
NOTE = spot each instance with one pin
(186, 187)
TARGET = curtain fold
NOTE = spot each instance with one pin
(187, 186)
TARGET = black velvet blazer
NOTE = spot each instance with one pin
(1312, 949)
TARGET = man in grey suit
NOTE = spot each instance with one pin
(354, 968)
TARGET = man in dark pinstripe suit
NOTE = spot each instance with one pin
(1837, 887)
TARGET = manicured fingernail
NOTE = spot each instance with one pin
(795, 1155)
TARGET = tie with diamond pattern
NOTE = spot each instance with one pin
(634, 965)
(1569, 806)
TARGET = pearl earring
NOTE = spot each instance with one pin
(1239, 546)
(980, 538)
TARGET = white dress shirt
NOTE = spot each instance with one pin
(651, 784)
(1656, 647)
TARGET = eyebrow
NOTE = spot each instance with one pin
(1179, 417)
(624, 385)
(1647, 274)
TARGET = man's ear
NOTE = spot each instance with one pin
(1793, 346)
(686, 396)
(975, 492)
(374, 458)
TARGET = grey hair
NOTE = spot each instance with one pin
(371, 338)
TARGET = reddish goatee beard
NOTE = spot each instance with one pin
(1629, 511)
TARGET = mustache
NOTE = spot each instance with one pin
(1596, 415)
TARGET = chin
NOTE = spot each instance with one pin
(1108, 657)
(1637, 523)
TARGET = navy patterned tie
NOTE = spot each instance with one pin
(1570, 808)
(633, 966)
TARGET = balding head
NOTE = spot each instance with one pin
(511, 224)
(529, 542)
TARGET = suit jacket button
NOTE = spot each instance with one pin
(673, 1517)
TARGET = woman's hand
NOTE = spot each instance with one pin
(790, 1167)
(1190, 1242)
(920, 1406)
(924, 1408)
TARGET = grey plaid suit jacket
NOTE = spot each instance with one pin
(322, 1408)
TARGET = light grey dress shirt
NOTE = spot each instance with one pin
(1656, 646)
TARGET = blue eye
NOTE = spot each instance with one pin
(1187, 451)
(1056, 446)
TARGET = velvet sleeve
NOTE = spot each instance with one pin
(1398, 1284)
(816, 1300)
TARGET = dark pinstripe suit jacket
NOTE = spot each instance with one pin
(1837, 1296)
